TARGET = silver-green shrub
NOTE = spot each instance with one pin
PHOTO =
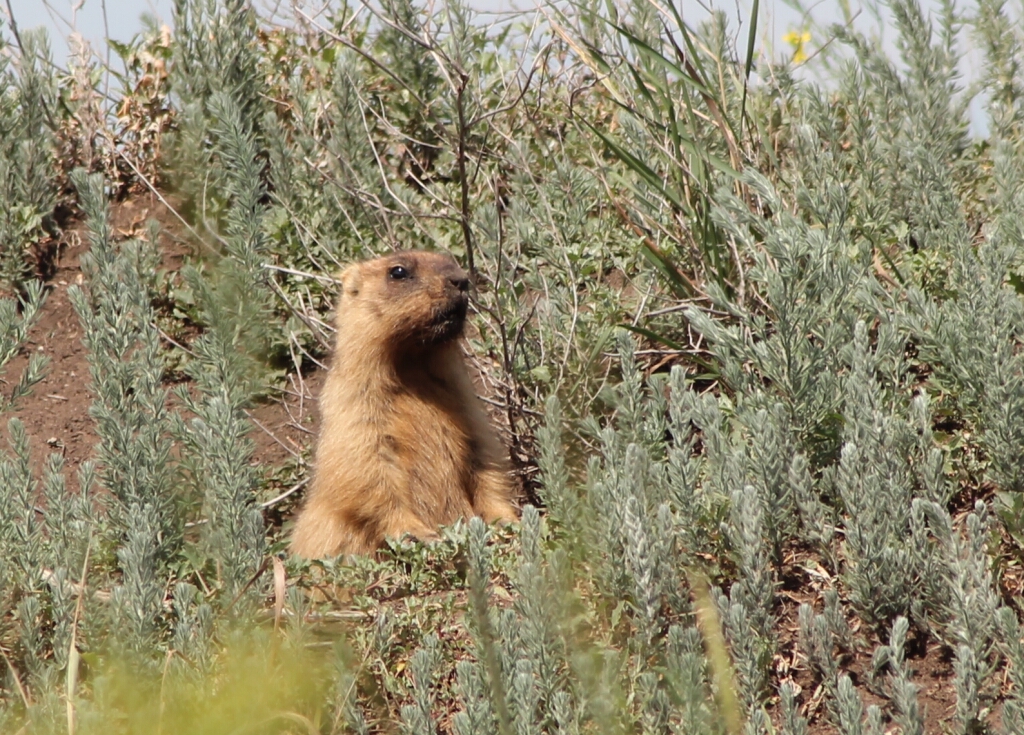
(826, 283)
(28, 152)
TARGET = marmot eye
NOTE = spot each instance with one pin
(399, 272)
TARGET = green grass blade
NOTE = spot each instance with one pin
(668, 269)
(654, 336)
(649, 175)
(751, 39)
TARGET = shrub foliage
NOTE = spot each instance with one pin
(752, 332)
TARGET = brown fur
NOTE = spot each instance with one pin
(405, 446)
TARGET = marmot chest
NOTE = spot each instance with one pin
(426, 434)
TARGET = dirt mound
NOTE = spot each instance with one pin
(56, 413)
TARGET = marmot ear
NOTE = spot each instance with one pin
(350, 280)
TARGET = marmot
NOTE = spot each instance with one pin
(405, 445)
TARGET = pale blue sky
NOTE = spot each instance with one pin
(92, 18)
(122, 16)
(87, 17)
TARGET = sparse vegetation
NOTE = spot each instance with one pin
(754, 343)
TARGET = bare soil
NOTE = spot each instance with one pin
(56, 413)
(928, 660)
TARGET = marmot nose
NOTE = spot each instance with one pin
(460, 282)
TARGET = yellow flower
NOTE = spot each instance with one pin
(798, 39)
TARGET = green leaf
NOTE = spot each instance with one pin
(668, 269)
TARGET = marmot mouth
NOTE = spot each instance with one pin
(448, 320)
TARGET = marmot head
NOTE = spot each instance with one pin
(411, 299)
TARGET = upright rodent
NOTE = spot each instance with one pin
(404, 446)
